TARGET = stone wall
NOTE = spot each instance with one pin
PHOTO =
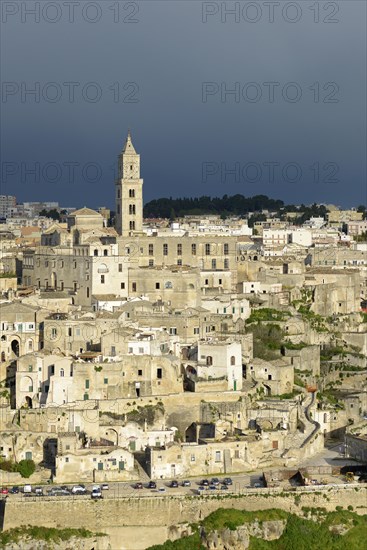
(112, 513)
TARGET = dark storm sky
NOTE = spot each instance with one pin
(294, 128)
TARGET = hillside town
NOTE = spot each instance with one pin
(153, 349)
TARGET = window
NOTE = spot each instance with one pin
(168, 284)
(53, 333)
(132, 226)
(165, 250)
(133, 287)
(226, 264)
(62, 373)
(214, 264)
(196, 330)
(87, 291)
(122, 285)
(151, 250)
(131, 193)
(193, 249)
(102, 279)
(141, 350)
(179, 249)
(220, 281)
(151, 263)
(105, 380)
(179, 262)
(140, 372)
(157, 286)
(105, 252)
(132, 209)
(159, 373)
(226, 249)
(206, 281)
(87, 384)
(207, 249)
(120, 268)
(30, 368)
(233, 360)
(217, 456)
(209, 360)
(95, 252)
(173, 330)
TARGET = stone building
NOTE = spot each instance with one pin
(19, 330)
(91, 460)
(276, 377)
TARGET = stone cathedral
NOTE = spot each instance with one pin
(88, 261)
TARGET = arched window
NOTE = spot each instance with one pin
(233, 360)
(62, 373)
(209, 360)
(105, 252)
(95, 252)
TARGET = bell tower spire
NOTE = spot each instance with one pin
(129, 191)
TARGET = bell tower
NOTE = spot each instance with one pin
(129, 192)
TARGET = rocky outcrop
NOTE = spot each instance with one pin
(239, 538)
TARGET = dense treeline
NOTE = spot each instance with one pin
(237, 205)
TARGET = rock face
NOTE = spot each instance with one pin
(239, 539)
(91, 543)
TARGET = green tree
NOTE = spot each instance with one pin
(26, 467)
(54, 214)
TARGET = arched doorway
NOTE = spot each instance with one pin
(112, 435)
(28, 402)
(15, 347)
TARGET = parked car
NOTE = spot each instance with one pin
(14, 490)
(38, 491)
(215, 481)
(212, 487)
(205, 482)
(224, 487)
(186, 483)
(138, 485)
(105, 487)
(27, 489)
(96, 494)
(174, 484)
(152, 485)
(201, 488)
(59, 492)
(162, 489)
(4, 490)
(227, 481)
(78, 490)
